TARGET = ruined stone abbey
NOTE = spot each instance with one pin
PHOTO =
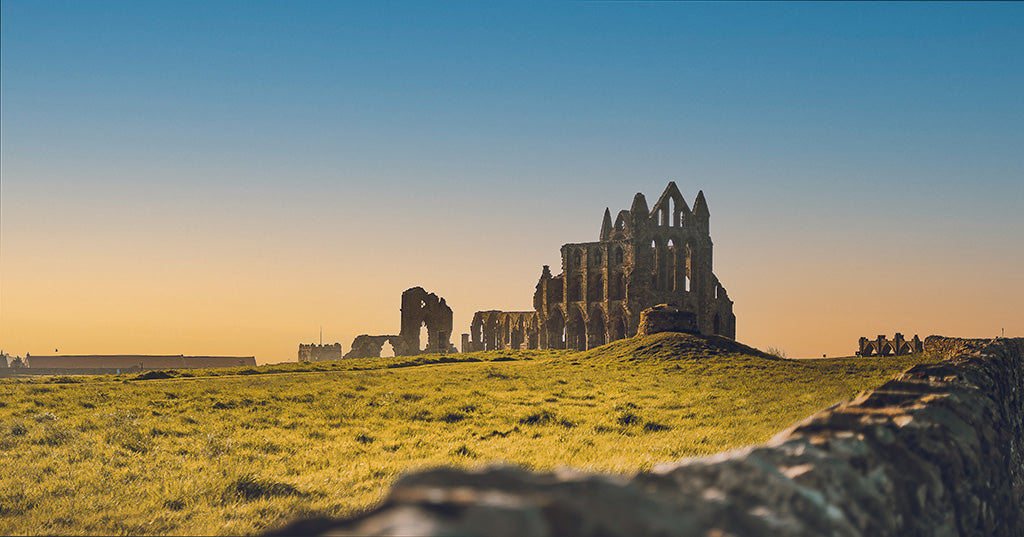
(645, 257)
(419, 309)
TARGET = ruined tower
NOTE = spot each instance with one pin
(644, 257)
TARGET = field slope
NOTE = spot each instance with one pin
(237, 451)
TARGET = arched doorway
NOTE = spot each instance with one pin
(576, 331)
(490, 333)
(596, 329)
(556, 330)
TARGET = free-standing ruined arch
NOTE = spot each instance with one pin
(419, 308)
(367, 346)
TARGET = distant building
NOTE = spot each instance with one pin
(136, 361)
(319, 353)
(881, 346)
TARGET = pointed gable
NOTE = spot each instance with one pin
(606, 225)
(700, 205)
(671, 205)
(622, 227)
(640, 213)
(639, 205)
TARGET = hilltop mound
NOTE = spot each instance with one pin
(671, 346)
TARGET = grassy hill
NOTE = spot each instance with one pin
(234, 451)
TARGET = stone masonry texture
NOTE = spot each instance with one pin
(936, 451)
(666, 318)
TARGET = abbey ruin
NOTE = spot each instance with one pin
(643, 258)
(419, 308)
(897, 346)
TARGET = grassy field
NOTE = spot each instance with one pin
(236, 451)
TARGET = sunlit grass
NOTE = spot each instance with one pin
(249, 448)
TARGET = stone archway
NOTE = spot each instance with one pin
(420, 308)
(596, 330)
(556, 330)
(576, 331)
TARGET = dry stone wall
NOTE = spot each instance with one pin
(949, 347)
(935, 451)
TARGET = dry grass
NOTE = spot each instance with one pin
(248, 449)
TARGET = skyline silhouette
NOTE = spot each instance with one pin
(228, 178)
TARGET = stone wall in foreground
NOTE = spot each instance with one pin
(937, 451)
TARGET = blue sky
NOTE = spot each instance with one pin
(841, 137)
(349, 84)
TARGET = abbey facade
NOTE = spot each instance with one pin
(644, 257)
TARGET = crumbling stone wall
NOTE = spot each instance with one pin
(666, 318)
(419, 308)
(367, 346)
(938, 450)
(947, 347)
(491, 330)
(645, 257)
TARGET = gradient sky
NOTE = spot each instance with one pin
(227, 177)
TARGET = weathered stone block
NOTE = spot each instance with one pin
(667, 318)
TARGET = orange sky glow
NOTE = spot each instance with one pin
(195, 179)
